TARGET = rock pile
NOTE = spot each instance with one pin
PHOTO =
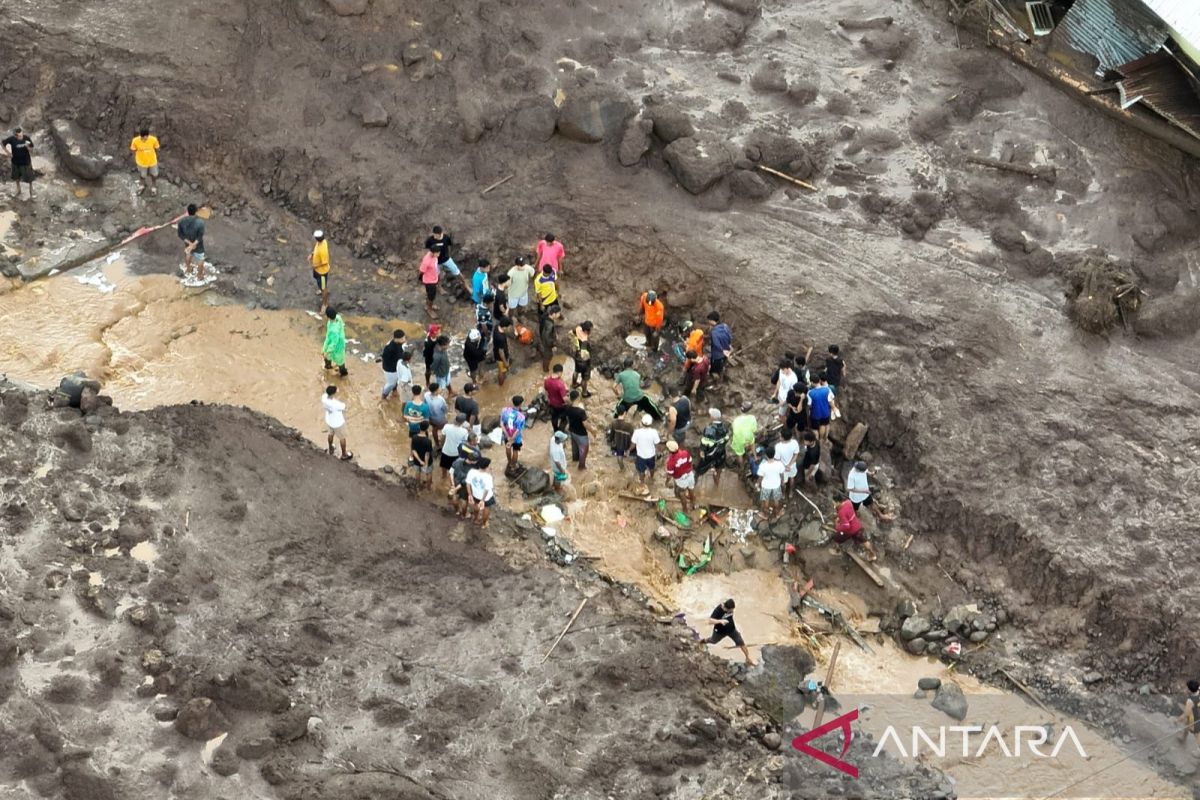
(943, 635)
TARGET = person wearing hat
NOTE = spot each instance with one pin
(428, 348)
(558, 462)
(858, 489)
(679, 470)
(20, 150)
(645, 450)
(654, 313)
(430, 274)
(454, 436)
(474, 354)
(334, 348)
(520, 276)
(483, 491)
(713, 440)
(320, 267)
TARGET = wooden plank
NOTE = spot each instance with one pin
(865, 567)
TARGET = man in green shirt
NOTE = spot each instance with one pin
(628, 388)
(745, 427)
(335, 342)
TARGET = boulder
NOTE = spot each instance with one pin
(255, 748)
(956, 618)
(292, 724)
(635, 143)
(916, 646)
(225, 760)
(698, 163)
(671, 124)
(772, 740)
(803, 92)
(77, 152)
(978, 636)
(370, 112)
(593, 116)
(750, 185)
(200, 719)
(770, 77)
(915, 626)
(348, 8)
(929, 683)
(951, 701)
(534, 481)
(533, 122)
(854, 440)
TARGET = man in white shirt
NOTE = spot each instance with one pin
(859, 491)
(454, 436)
(483, 492)
(787, 450)
(645, 447)
(335, 420)
(558, 462)
(786, 381)
(770, 487)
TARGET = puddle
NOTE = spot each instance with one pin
(761, 614)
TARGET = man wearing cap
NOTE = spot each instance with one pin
(454, 436)
(520, 276)
(395, 371)
(320, 267)
(20, 150)
(645, 449)
(679, 470)
(483, 491)
(713, 440)
(558, 462)
(474, 354)
(653, 315)
(440, 242)
(858, 488)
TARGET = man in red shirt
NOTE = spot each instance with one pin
(556, 397)
(849, 528)
(695, 373)
(679, 470)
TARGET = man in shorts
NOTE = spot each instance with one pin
(520, 277)
(429, 272)
(145, 155)
(723, 626)
(421, 455)
(859, 491)
(483, 492)
(620, 435)
(439, 410)
(849, 529)
(512, 429)
(558, 463)
(395, 370)
(191, 233)
(645, 442)
(454, 436)
(787, 451)
(581, 352)
(416, 411)
(335, 421)
(680, 472)
(440, 242)
(20, 150)
(320, 267)
(821, 405)
(770, 487)
(467, 405)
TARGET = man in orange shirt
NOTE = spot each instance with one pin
(653, 315)
(145, 155)
(695, 339)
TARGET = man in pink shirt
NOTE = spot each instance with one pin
(550, 251)
(429, 277)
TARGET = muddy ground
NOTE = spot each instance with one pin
(1040, 470)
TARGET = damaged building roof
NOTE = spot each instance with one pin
(1159, 83)
(1114, 31)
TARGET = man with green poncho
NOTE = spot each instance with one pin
(335, 342)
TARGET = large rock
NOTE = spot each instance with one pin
(750, 185)
(348, 8)
(200, 719)
(77, 152)
(534, 481)
(671, 124)
(635, 143)
(957, 617)
(370, 112)
(698, 163)
(770, 77)
(533, 122)
(951, 700)
(854, 440)
(915, 626)
(593, 116)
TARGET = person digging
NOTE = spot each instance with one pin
(723, 626)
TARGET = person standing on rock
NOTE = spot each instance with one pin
(859, 490)
(654, 313)
(320, 267)
(770, 486)
(581, 353)
(191, 233)
(512, 430)
(576, 418)
(395, 370)
(20, 151)
(558, 463)
(680, 472)
(556, 397)
(787, 451)
(335, 421)
(627, 385)
(334, 348)
(430, 274)
(720, 344)
(483, 491)
(520, 277)
(724, 626)
(550, 252)
(849, 528)
(645, 448)
(145, 156)
(821, 405)
(440, 242)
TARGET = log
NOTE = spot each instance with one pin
(570, 622)
(1040, 172)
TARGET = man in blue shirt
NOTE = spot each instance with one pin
(821, 405)
(720, 344)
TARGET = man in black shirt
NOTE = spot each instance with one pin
(475, 350)
(191, 232)
(459, 494)
(440, 242)
(466, 404)
(500, 348)
(723, 626)
(500, 297)
(812, 457)
(390, 359)
(835, 369)
(428, 348)
(548, 334)
(19, 148)
(576, 417)
(679, 417)
(422, 455)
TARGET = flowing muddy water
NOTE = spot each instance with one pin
(153, 343)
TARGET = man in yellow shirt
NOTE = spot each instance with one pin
(546, 288)
(145, 154)
(320, 267)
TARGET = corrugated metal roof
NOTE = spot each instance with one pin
(1114, 31)
(1159, 83)
(1182, 15)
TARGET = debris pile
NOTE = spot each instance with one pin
(1100, 293)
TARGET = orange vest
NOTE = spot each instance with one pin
(653, 313)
